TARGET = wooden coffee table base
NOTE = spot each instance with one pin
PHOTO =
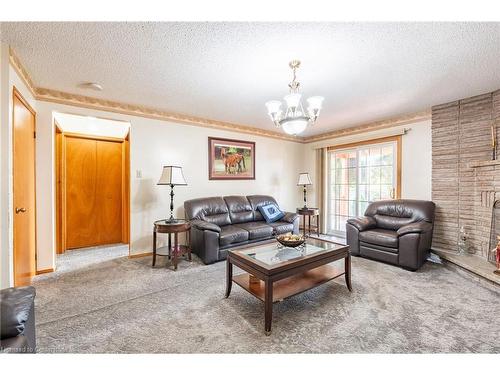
(275, 288)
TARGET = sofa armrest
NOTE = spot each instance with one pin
(205, 225)
(363, 223)
(290, 217)
(418, 227)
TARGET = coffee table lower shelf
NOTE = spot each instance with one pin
(291, 285)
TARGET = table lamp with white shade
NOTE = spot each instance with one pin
(172, 176)
(304, 180)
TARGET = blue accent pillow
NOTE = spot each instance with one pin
(271, 212)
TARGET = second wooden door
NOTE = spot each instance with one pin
(93, 186)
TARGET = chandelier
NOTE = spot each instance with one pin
(294, 120)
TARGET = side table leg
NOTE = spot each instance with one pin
(169, 246)
(154, 248)
(175, 251)
(188, 236)
(317, 224)
(229, 277)
(348, 272)
(268, 306)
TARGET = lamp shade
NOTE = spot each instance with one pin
(172, 175)
(304, 179)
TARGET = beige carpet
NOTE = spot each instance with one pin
(107, 303)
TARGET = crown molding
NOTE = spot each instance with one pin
(21, 71)
(75, 100)
(372, 126)
(65, 98)
(60, 97)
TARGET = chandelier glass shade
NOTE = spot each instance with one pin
(294, 120)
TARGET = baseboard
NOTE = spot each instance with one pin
(47, 270)
(140, 255)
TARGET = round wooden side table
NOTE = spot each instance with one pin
(307, 213)
(175, 251)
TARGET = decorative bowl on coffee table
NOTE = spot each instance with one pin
(291, 240)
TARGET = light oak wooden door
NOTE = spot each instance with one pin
(24, 191)
(92, 213)
(109, 186)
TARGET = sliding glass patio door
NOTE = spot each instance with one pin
(357, 176)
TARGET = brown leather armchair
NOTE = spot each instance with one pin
(393, 231)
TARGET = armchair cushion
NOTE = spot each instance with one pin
(205, 225)
(418, 227)
(290, 217)
(381, 237)
(363, 223)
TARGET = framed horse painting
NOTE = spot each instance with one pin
(230, 159)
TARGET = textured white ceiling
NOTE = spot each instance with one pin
(227, 71)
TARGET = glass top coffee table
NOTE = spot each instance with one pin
(274, 272)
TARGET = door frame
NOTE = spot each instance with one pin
(398, 158)
(60, 178)
(17, 94)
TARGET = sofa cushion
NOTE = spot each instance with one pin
(382, 237)
(271, 212)
(213, 209)
(282, 227)
(232, 234)
(240, 210)
(257, 229)
(15, 307)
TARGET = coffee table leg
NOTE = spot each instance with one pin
(348, 272)
(229, 277)
(268, 306)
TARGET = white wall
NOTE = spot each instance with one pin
(5, 260)
(416, 159)
(416, 171)
(155, 143)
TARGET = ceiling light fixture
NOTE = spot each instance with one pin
(91, 86)
(294, 121)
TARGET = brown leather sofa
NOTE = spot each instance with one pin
(221, 223)
(393, 231)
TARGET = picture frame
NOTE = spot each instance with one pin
(230, 159)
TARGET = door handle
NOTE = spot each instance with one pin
(20, 209)
(393, 193)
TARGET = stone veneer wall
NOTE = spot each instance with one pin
(461, 138)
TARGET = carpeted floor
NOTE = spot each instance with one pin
(121, 305)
